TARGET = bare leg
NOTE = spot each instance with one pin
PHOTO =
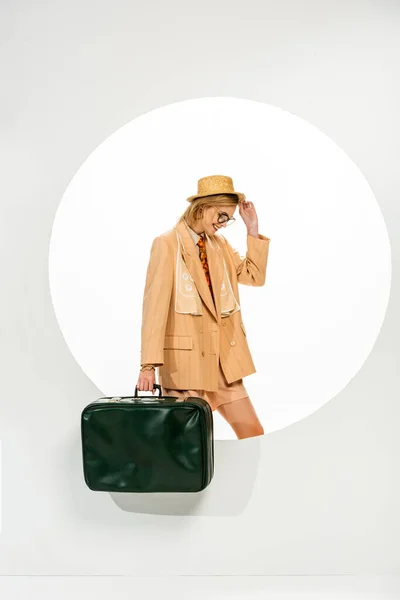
(242, 417)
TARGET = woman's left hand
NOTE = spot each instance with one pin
(249, 215)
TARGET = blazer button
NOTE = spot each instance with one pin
(233, 343)
(223, 323)
(203, 353)
(201, 331)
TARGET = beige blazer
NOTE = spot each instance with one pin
(188, 346)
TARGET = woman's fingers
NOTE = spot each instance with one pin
(146, 381)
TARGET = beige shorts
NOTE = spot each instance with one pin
(227, 392)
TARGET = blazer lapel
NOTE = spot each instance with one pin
(192, 261)
(215, 267)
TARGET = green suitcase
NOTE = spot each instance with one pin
(147, 444)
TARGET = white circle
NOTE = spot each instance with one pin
(310, 328)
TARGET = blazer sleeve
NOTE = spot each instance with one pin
(156, 301)
(252, 268)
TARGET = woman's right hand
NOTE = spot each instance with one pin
(146, 381)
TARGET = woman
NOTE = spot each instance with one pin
(192, 328)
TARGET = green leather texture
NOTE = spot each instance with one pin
(147, 444)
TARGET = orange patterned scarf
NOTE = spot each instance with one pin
(203, 258)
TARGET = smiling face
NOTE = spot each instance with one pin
(209, 223)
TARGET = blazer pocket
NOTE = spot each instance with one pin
(178, 342)
(243, 329)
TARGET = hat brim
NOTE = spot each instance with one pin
(240, 196)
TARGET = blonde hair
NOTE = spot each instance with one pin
(191, 214)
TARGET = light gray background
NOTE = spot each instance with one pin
(324, 494)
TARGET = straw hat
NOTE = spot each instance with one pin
(215, 184)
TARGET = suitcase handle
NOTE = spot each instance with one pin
(156, 386)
